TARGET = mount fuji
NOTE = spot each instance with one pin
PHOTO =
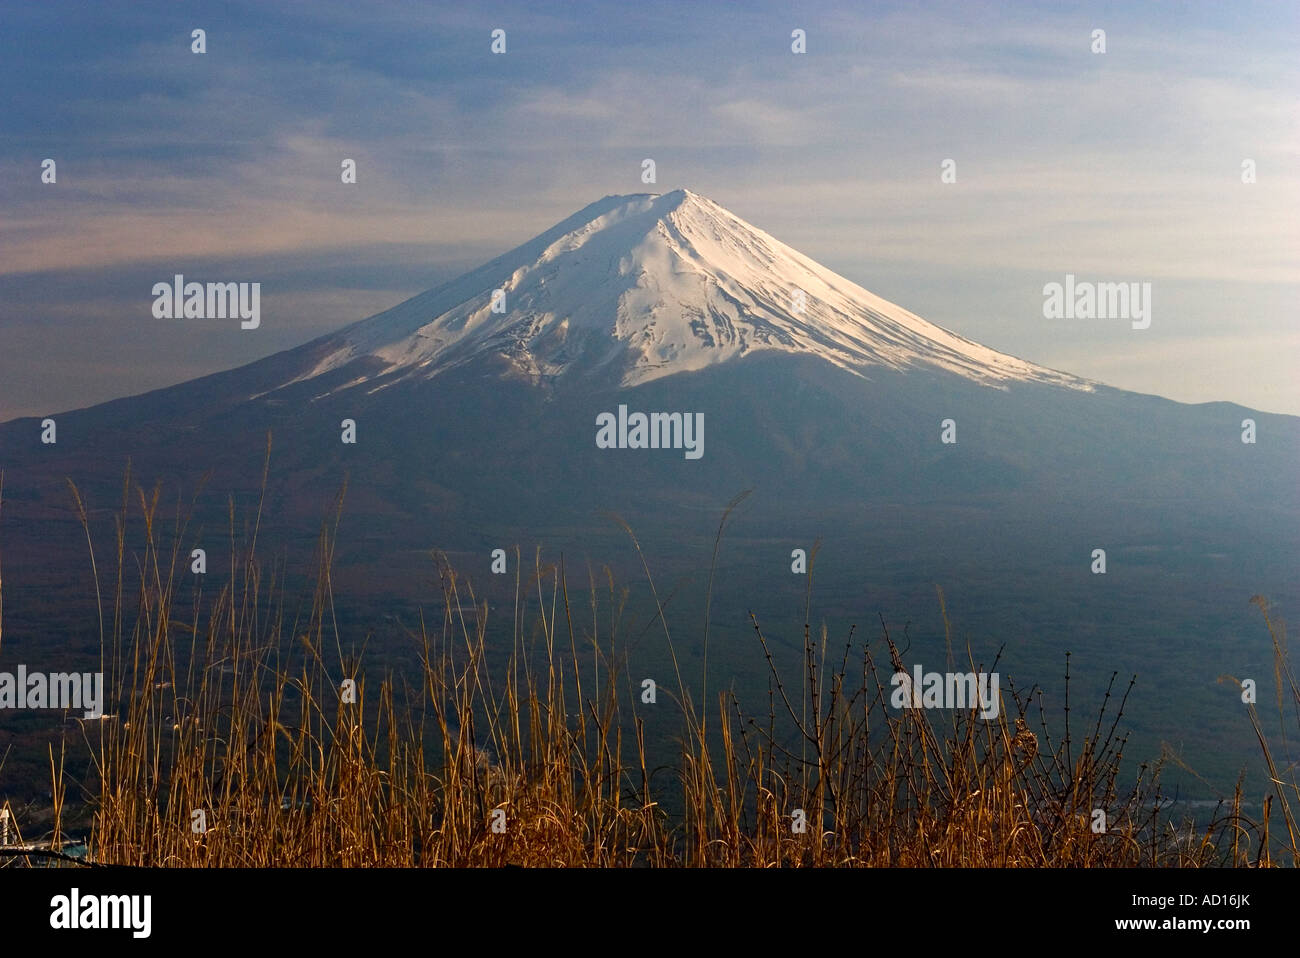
(475, 404)
(917, 457)
(482, 395)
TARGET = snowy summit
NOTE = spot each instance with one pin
(649, 285)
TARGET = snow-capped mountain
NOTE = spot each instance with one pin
(810, 387)
(636, 288)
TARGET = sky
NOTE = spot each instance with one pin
(1122, 166)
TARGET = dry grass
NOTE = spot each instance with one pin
(228, 708)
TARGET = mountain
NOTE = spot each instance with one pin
(479, 428)
(811, 389)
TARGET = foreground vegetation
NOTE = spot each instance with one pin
(240, 738)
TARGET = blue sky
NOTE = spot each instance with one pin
(1122, 166)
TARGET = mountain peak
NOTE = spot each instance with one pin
(647, 285)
